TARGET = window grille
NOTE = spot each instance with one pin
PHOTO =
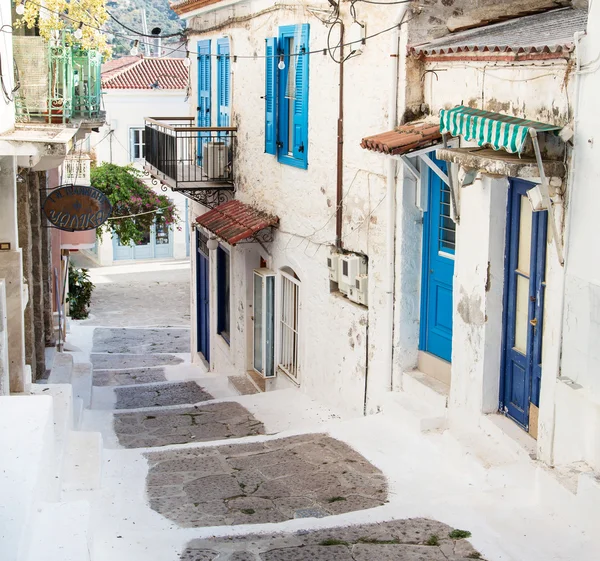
(289, 334)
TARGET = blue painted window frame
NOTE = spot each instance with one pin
(277, 108)
(204, 84)
(223, 293)
(223, 83)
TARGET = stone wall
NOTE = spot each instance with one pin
(4, 379)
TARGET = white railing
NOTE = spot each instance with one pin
(288, 317)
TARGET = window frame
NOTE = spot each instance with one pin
(133, 143)
(224, 293)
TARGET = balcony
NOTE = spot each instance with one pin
(195, 161)
(59, 83)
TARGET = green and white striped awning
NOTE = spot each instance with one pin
(501, 132)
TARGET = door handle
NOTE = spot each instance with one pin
(533, 322)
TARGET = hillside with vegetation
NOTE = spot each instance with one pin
(129, 12)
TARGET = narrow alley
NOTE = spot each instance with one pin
(177, 464)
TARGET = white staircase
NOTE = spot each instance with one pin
(45, 457)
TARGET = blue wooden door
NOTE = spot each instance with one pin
(525, 266)
(202, 296)
(439, 233)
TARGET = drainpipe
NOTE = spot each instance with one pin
(391, 202)
(340, 150)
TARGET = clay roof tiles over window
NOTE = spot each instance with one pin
(405, 138)
(235, 221)
(548, 32)
(139, 73)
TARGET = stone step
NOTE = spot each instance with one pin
(82, 467)
(62, 369)
(77, 412)
(82, 380)
(26, 474)
(242, 385)
(415, 413)
(427, 389)
(60, 532)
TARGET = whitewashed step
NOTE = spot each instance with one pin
(426, 388)
(60, 532)
(62, 369)
(82, 381)
(415, 413)
(26, 475)
(82, 468)
(77, 412)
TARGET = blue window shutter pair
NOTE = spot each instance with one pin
(223, 82)
(274, 96)
(271, 97)
(204, 71)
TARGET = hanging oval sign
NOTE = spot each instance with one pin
(75, 208)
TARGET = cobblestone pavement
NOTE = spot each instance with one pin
(296, 477)
(128, 377)
(416, 539)
(141, 341)
(213, 421)
(178, 393)
(108, 361)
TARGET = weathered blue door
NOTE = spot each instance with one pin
(439, 233)
(202, 296)
(525, 266)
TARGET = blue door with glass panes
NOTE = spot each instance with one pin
(202, 296)
(156, 243)
(439, 233)
(525, 266)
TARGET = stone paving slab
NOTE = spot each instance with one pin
(129, 377)
(176, 393)
(141, 341)
(414, 539)
(117, 361)
(250, 483)
(201, 423)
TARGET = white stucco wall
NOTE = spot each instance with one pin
(333, 330)
(125, 110)
(577, 422)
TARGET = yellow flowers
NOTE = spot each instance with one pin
(62, 15)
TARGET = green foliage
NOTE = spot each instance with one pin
(335, 499)
(80, 292)
(433, 540)
(332, 541)
(129, 195)
(459, 534)
(158, 14)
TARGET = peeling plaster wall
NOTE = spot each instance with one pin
(478, 292)
(539, 91)
(577, 422)
(333, 330)
(7, 110)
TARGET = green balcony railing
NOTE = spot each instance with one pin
(59, 82)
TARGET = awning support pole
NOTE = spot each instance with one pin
(453, 193)
(546, 197)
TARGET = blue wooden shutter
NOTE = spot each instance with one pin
(300, 123)
(204, 83)
(271, 96)
(223, 82)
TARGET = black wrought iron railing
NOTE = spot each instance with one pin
(185, 156)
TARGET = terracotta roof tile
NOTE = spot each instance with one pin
(139, 73)
(405, 138)
(234, 221)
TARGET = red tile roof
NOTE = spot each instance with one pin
(234, 221)
(139, 73)
(405, 138)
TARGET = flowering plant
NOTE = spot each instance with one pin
(135, 205)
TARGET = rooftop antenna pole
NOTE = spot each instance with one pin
(145, 30)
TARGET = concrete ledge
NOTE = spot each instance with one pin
(62, 369)
(427, 389)
(414, 413)
(83, 462)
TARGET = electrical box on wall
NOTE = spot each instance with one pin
(332, 265)
(358, 291)
(349, 275)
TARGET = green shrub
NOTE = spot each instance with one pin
(80, 292)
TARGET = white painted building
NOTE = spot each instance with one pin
(135, 87)
(462, 271)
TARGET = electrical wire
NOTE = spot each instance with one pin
(178, 34)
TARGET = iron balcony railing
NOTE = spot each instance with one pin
(184, 156)
(58, 81)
